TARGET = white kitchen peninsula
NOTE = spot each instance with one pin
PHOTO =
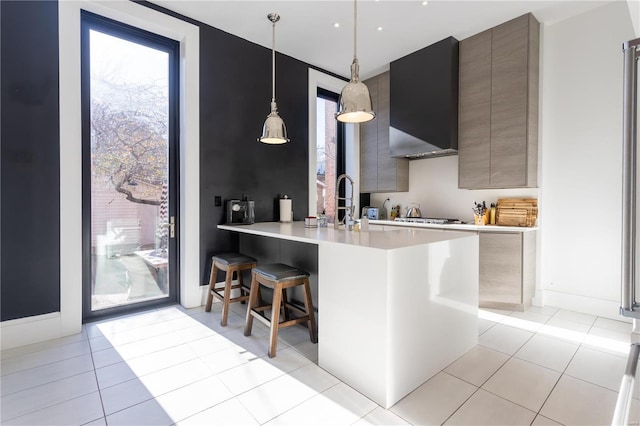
(394, 306)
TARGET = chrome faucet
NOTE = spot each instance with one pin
(349, 209)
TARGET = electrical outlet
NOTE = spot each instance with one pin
(217, 200)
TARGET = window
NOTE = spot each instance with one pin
(325, 135)
(329, 152)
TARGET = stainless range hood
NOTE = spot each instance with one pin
(424, 102)
(402, 144)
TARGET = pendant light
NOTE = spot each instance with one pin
(274, 131)
(355, 100)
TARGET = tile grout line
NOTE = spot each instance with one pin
(46, 363)
(562, 375)
(66, 400)
(49, 382)
(95, 373)
(213, 374)
(557, 381)
(488, 378)
(511, 356)
(302, 402)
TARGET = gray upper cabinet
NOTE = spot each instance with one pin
(498, 109)
(379, 172)
(369, 144)
(474, 117)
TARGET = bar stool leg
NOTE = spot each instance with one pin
(243, 291)
(308, 305)
(275, 319)
(253, 302)
(285, 302)
(227, 296)
(212, 283)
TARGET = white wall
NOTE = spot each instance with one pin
(634, 11)
(433, 183)
(581, 159)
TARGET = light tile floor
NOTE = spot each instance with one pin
(177, 366)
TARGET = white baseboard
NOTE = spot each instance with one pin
(26, 331)
(578, 303)
(204, 293)
(538, 298)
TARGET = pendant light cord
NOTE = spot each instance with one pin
(355, 28)
(273, 63)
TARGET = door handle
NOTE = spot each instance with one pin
(171, 225)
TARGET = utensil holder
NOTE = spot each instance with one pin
(480, 219)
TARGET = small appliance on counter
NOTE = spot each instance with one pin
(371, 213)
(311, 222)
(240, 212)
(286, 209)
(414, 210)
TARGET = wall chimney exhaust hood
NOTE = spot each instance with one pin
(424, 102)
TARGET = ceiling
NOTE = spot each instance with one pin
(306, 29)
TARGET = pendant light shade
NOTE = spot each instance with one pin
(355, 100)
(274, 131)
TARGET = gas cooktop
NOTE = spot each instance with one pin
(429, 220)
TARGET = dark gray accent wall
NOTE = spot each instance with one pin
(235, 96)
(30, 159)
(235, 81)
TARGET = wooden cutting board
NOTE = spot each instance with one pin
(517, 212)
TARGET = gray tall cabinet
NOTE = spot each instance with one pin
(379, 172)
(498, 109)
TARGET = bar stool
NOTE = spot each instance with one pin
(279, 277)
(230, 263)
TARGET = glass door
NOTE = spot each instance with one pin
(129, 107)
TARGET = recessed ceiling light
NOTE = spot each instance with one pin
(424, 3)
(336, 24)
(379, 28)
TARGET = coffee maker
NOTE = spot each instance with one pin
(240, 212)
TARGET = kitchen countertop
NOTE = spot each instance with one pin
(456, 227)
(388, 239)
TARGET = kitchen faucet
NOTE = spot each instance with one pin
(349, 210)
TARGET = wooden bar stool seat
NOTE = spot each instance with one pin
(279, 277)
(231, 263)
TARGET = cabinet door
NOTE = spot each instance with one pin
(393, 173)
(369, 145)
(500, 268)
(509, 89)
(379, 172)
(474, 129)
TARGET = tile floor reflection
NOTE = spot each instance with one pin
(176, 366)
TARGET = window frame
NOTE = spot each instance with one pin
(319, 81)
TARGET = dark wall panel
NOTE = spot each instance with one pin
(235, 79)
(235, 96)
(29, 152)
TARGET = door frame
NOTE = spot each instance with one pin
(69, 319)
(91, 21)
